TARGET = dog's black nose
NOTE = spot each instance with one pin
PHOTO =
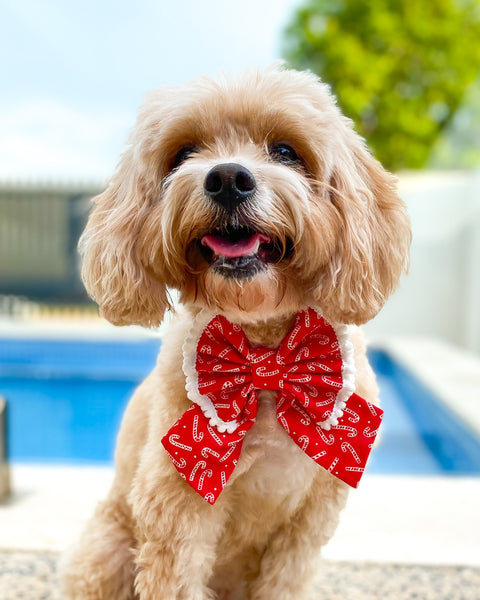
(229, 184)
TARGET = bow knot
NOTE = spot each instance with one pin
(266, 369)
(312, 372)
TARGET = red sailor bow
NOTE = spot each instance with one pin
(313, 373)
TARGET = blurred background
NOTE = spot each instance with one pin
(73, 75)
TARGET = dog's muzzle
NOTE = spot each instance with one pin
(241, 252)
(230, 249)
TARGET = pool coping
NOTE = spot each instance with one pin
(84, 329)
(389, 519)
(452, 442)
(450, 372)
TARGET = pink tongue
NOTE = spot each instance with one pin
(224, 247)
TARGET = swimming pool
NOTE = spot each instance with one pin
(66, 399)
(420, 434)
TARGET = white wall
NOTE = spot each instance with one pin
(440, 297)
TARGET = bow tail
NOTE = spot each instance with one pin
(343, 450)
(204, 457)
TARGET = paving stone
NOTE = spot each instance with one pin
(34, 576)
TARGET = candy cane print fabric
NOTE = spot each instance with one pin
(314, 375)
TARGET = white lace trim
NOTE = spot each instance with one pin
(190, 346)
(348, 376)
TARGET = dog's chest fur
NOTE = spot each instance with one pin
(267, 487)
(271, 464)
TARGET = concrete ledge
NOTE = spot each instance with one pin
(4, 470)
(389, 519)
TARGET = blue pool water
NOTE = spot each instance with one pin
(66, 400)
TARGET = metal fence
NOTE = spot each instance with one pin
(39, 230)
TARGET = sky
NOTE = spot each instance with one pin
(72, 74)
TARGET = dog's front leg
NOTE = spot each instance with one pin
(177, 534)
(288, 565)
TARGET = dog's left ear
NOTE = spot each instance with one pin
(375, 236)
(113, 271)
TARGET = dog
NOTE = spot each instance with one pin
(253, 197)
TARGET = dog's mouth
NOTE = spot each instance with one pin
(241, 252)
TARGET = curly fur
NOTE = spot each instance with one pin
(154, 537)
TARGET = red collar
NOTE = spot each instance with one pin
(313, 373)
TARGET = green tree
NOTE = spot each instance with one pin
(398, 67)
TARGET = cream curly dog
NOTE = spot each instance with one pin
(253, 197)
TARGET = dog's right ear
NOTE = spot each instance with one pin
(126, 291)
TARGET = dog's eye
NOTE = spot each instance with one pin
(284, 153)
(182, 155)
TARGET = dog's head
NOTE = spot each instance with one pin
(252, 196)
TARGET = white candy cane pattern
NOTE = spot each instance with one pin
(201, 464)
(247, 391)
(306, 419)
(173, 440)
(346, 446)
(212, 432)
(206, 451)
(327, 440)
(291, 338)
(306, 399)
(180, 464)
(312, 391)
(303, 379)
(351, 431)
(206, 473)
(304, 353)
(306, 318)
(254, 359)
(333, 465)
(284, 423)
(323, 340)
(241, 347)
(205, 384)
(332, 382)
(197, 437)
(354, 417)
(262, 372)
(218, 325)
(228, 453)
(304, 440)
(324, 402)
(315, 366)
(209, 334)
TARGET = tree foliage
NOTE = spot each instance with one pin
(398, 67)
